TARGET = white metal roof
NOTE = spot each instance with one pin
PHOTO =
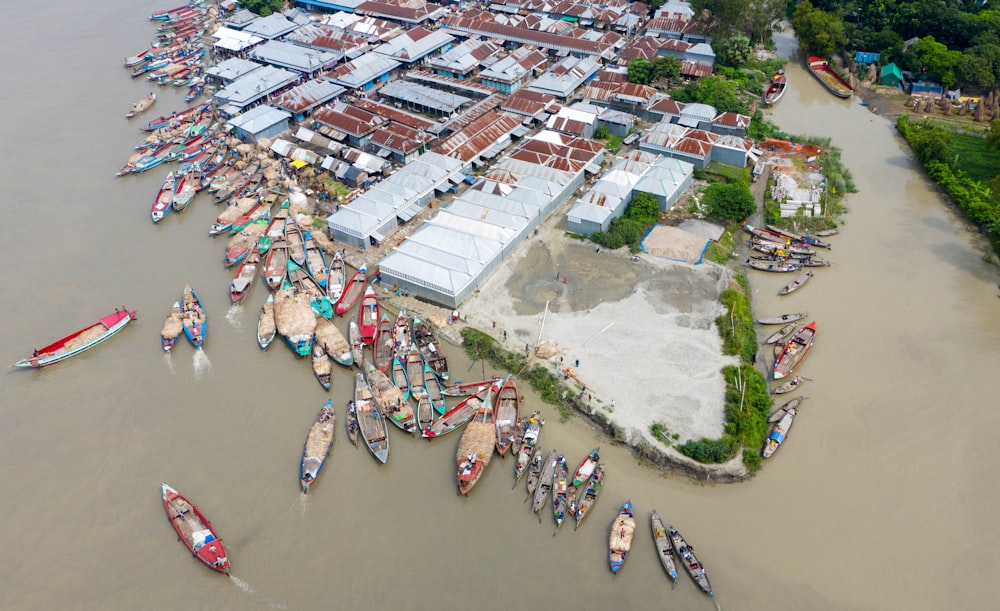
(258, 119)
(234, 40)
(295, 57)
(232, 69)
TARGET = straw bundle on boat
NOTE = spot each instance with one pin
(84, 338)
(478, 439)
(333, 341)
(265, 326)
(620, 540)
(248, 236)
(172, 326)
(238, 209)
(320, 436)
(293, 315)
(387, 394)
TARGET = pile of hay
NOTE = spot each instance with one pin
(84, 338)
(478, 439)
(387, 394)
(620, 540)
(172, 327)
(293, 316)
(244, 148)
(438, 321)
(265, 326)
(248, 236)
(321, 434)
(236, 209)
(332, 340)
(264, 144)
(549, 349)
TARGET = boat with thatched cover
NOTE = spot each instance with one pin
(276, 263)
(506, 415)
(382, 345)
(475, 448)
(590, 493)
(354, 339)
(336, 277)
(788, 386)
(433, 389)
(390, 401)
(430, 348)
(245, 276)
(333, 341)
(560, 491)
(318, 444)
(172, 328)
(296, 243)
(305, 284)
(795, 351)
(780, 334)
(620, 540)
(193, 317)
(530, 428)
(796, 284)
(782, 318)
(194, 530)
(456, 416)
(294, 319)
(352, 423)
(322, 367)
(353, 290)
(545, 480)
(664, 549)
(266, 329)
(415, 373)
(535, 472)
(686, 554)
(374, 431)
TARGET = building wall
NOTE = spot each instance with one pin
(507, 88)
(269, 133)
(615, 128)
(699, 162)
(729, 156)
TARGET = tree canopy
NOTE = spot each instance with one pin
(262, 7)
(732, 201)
(819, 32)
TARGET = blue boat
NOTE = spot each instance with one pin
(620, 541)
(300, 344)
(317, 446)
(193, 317)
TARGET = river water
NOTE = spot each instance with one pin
(881, 499)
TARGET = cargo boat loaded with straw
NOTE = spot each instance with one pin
(84, 339)
(318, 444)
(475, 448)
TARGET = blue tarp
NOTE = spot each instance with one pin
(864, 57)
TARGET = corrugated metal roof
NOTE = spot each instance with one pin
(308, 95)
(415, 44)
(292, 56)
(259, 119)
(426, 97)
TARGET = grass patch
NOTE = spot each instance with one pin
(973, 157)
(719, 172)
(660, 431)
(720, 251)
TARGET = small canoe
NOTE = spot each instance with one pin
(587, 466)
(506, 415)
(141, 105)
(333, 341)
(371, 423)
(315, 260)
(685, 553)
(560, 492)
(432, 388)
(318, 444)
(796, 284)
(390, 401)
(475, 448)
(400, 349)
(455, 417)
(795, 351)
(780, 334)
(382, 347)
(535, 472)
(774, 266)
(354, 339)
(811, 240)
(530, 428)
(266, 329)
(276, 264)
(780, 412)
(275, 228)
(776, 88)
(161, 203)
(811, 262)
(465, 389)
(194, 530)
(590, 493)
(664, 549)
(172, 328)
(336, 277)
(352, 423)
(193, 317)
(425, 414)
(788, 386)
(245, 276)
(415, 374)
(430, 348)
(368, 316)
(352, 290)
(620, 541)
(545, 480)
(296, 243)
(827, 232)
(782, 319)
(321, 365)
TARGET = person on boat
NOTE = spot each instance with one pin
(35, 353)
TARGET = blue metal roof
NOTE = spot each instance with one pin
(864, 57)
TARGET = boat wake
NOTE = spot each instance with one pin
(246, 587)
(235, 316)
(170, 363)
(200, 363)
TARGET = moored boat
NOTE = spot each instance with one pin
(333, 341)
(185, 190)
(456, 416)
(84, 339)
(776, 88)
(390, 401)
(788, 386)
(774, 265)
(371, 423)
(664, 548)
(305, 284)
(545, 480)
(534, 472)
(795, 351)
(321, 365)
(620, 540)
(352, 290)
(430, 348)
(812, 240)
(172, 328)
(351, 423)
(796, 284)
(685, 553)
(336, 277)
(465, 389)
(161, 203)
(526, 450)
(276, 263)
(193, 317)
(296, 243)
(780, 334)
(266, 329)
(590, 493)
(560, 492)
(315, 260)
(780, 412)
(400, 351)
(425, 414)
(415, 373)
(432, 388)
(782, 318)
(368, 316)
(245, 276)
(475, 448)
(382, 346)
(506, 415)
(295, 319)
(357, 346)
(318, 444)
(194, 530)
(834, 83)
(587, 466)
(275, 228)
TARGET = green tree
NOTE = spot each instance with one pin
(640, 71)
(934, 58)
(734, 51)
(931, 142)
(732, 201)
(993, 136)
(666, 68)
(262, 7)
(819, 32)
(602, 132)
(764, 17)
(716, 91)
(724, 17)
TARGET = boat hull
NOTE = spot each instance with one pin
(65, 348)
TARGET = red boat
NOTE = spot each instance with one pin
(368, 317)
(795, 351)
(352, 292)
(84, 339)
(195, 530)
(821, 69)
(776, 89)
(506, 415)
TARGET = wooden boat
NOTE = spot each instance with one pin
(776, 88)
(590, 493)
(185, 190)
(425, 414)
(240, 245)
(318, 444)
(172, 328)
(827, 232)
(415, 373)
(354, 339)
(305, 284)
(664, 548)
(336, 277)
(432, 389)
(620, 541)
(545, 480)
(774, 265)
(685, 553)
(275, 228)
(261, 212)
(194, 530)
(296, 243)
(333, 342)
(84, 339)
(788, 386)
(266, 329)
(315, 260)
(560, 491)
(506, 415)
(368, 316)
(321, 365)
(812, 262)
(779, 432)
(535, 472)
(779, 412)
(456, 416)
(812, 240)
(390, 401)
(586, 467)
(371, 424)
(430, 349)
(781, 249)
(382, 346)
(475, 448)
(400, 350)
(464, 389)
(795, 351)
(193, 317)
(161, 203)
(224, 222)
(194, 92)
(796, 284)
(782, 318)
(826, 75)
(245, 276)
(780, 334)
(276, 264)
(352, 423)
(352, 290)
(530, 428)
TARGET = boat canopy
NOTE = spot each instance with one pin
(201, 537)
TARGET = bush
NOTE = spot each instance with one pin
(602, 132)
(732, 201)
(628, 229)
(709, 451)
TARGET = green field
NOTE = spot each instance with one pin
(974, 158)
